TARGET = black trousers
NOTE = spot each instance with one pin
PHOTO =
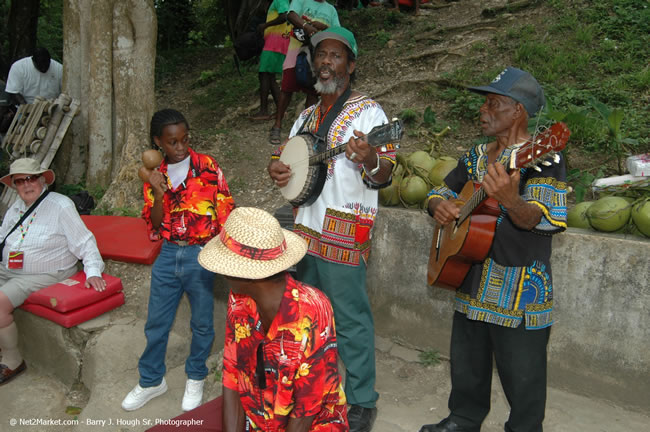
(520, 357)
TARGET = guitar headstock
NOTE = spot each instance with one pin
(542, 145)
(386, 133)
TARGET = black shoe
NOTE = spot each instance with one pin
(361, 419)
(445, 425)
(7, 374)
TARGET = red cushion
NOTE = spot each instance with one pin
(77, 316)
(71, 293)
(206, 417)
(123, 238)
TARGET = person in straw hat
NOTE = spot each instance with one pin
(280, 358)
(40, 251)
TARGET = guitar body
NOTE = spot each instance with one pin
(456, 247)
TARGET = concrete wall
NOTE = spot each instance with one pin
(599, 343)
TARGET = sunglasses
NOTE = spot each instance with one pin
(30, 179)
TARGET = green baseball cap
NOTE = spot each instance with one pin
(340, 34)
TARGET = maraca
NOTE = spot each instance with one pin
(151, 159)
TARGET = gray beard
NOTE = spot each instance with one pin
(326, 88)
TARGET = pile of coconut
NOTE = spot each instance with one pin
(413, 177)
(614, 214)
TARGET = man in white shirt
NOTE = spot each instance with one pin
(33, 76)
(40, 251)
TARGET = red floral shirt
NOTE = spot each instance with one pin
(300, 368)
(197, 209)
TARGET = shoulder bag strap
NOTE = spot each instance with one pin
(24, 216)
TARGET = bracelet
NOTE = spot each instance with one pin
(375, 170)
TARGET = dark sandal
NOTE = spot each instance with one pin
(274, 136)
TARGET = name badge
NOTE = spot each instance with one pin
(16, 260)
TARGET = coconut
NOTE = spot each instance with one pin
(577, 216)
(609, 213)
(413, 189)
(389, 196)
(641, 217)
(442, 167)
(151, 158)
(421, 163)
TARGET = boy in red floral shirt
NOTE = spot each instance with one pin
(280, 368)
(187, 201)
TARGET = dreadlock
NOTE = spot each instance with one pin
(162, 118)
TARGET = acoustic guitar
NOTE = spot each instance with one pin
(458, 245)
(307, 158)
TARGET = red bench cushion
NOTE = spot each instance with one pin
(77, 316)
(71, 293)
(123, 238)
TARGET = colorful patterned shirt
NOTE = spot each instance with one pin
(514, 283)
(337, 226)
(276, 38)
(300, 377)
(197, 209)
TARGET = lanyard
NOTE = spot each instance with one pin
(23, 230)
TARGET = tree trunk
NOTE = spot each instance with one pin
(22, 26)
(109, 51)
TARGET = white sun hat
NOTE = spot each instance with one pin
(29, 167)
(252, 245)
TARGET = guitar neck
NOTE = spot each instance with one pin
(378, 136)
(474, 201)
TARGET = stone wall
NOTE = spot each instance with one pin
(599, 343)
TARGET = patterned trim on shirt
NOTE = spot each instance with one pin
(339, 242)
(504, 290)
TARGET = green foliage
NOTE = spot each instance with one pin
(206, 77)
(175, 21)
(429, 357)
(408, 115)
(50, 27)
(380, 38)
(462, 104)
(117, 211)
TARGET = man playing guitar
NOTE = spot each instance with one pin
(503, 305)
(336, 226)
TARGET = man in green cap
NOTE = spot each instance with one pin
(337, 225)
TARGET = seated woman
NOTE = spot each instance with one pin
(41, 250)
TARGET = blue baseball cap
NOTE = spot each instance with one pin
(518, 85)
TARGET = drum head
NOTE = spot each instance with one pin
(296, 155)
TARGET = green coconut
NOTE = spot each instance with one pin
(389, 196)
(421, 163)
(641, 217)
(413, 189)
(577, 216)
(442, 167)
(609, 214)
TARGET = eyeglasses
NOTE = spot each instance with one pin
(30, 179)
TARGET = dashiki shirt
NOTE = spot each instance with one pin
(197, 209)
(514, 283)
(291, 371)
(337, 226)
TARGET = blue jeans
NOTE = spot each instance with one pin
(177, 271)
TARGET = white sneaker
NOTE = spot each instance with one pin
(193, 394)
(139, 396)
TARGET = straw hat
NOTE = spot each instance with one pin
(27, 166)
(252, 245)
